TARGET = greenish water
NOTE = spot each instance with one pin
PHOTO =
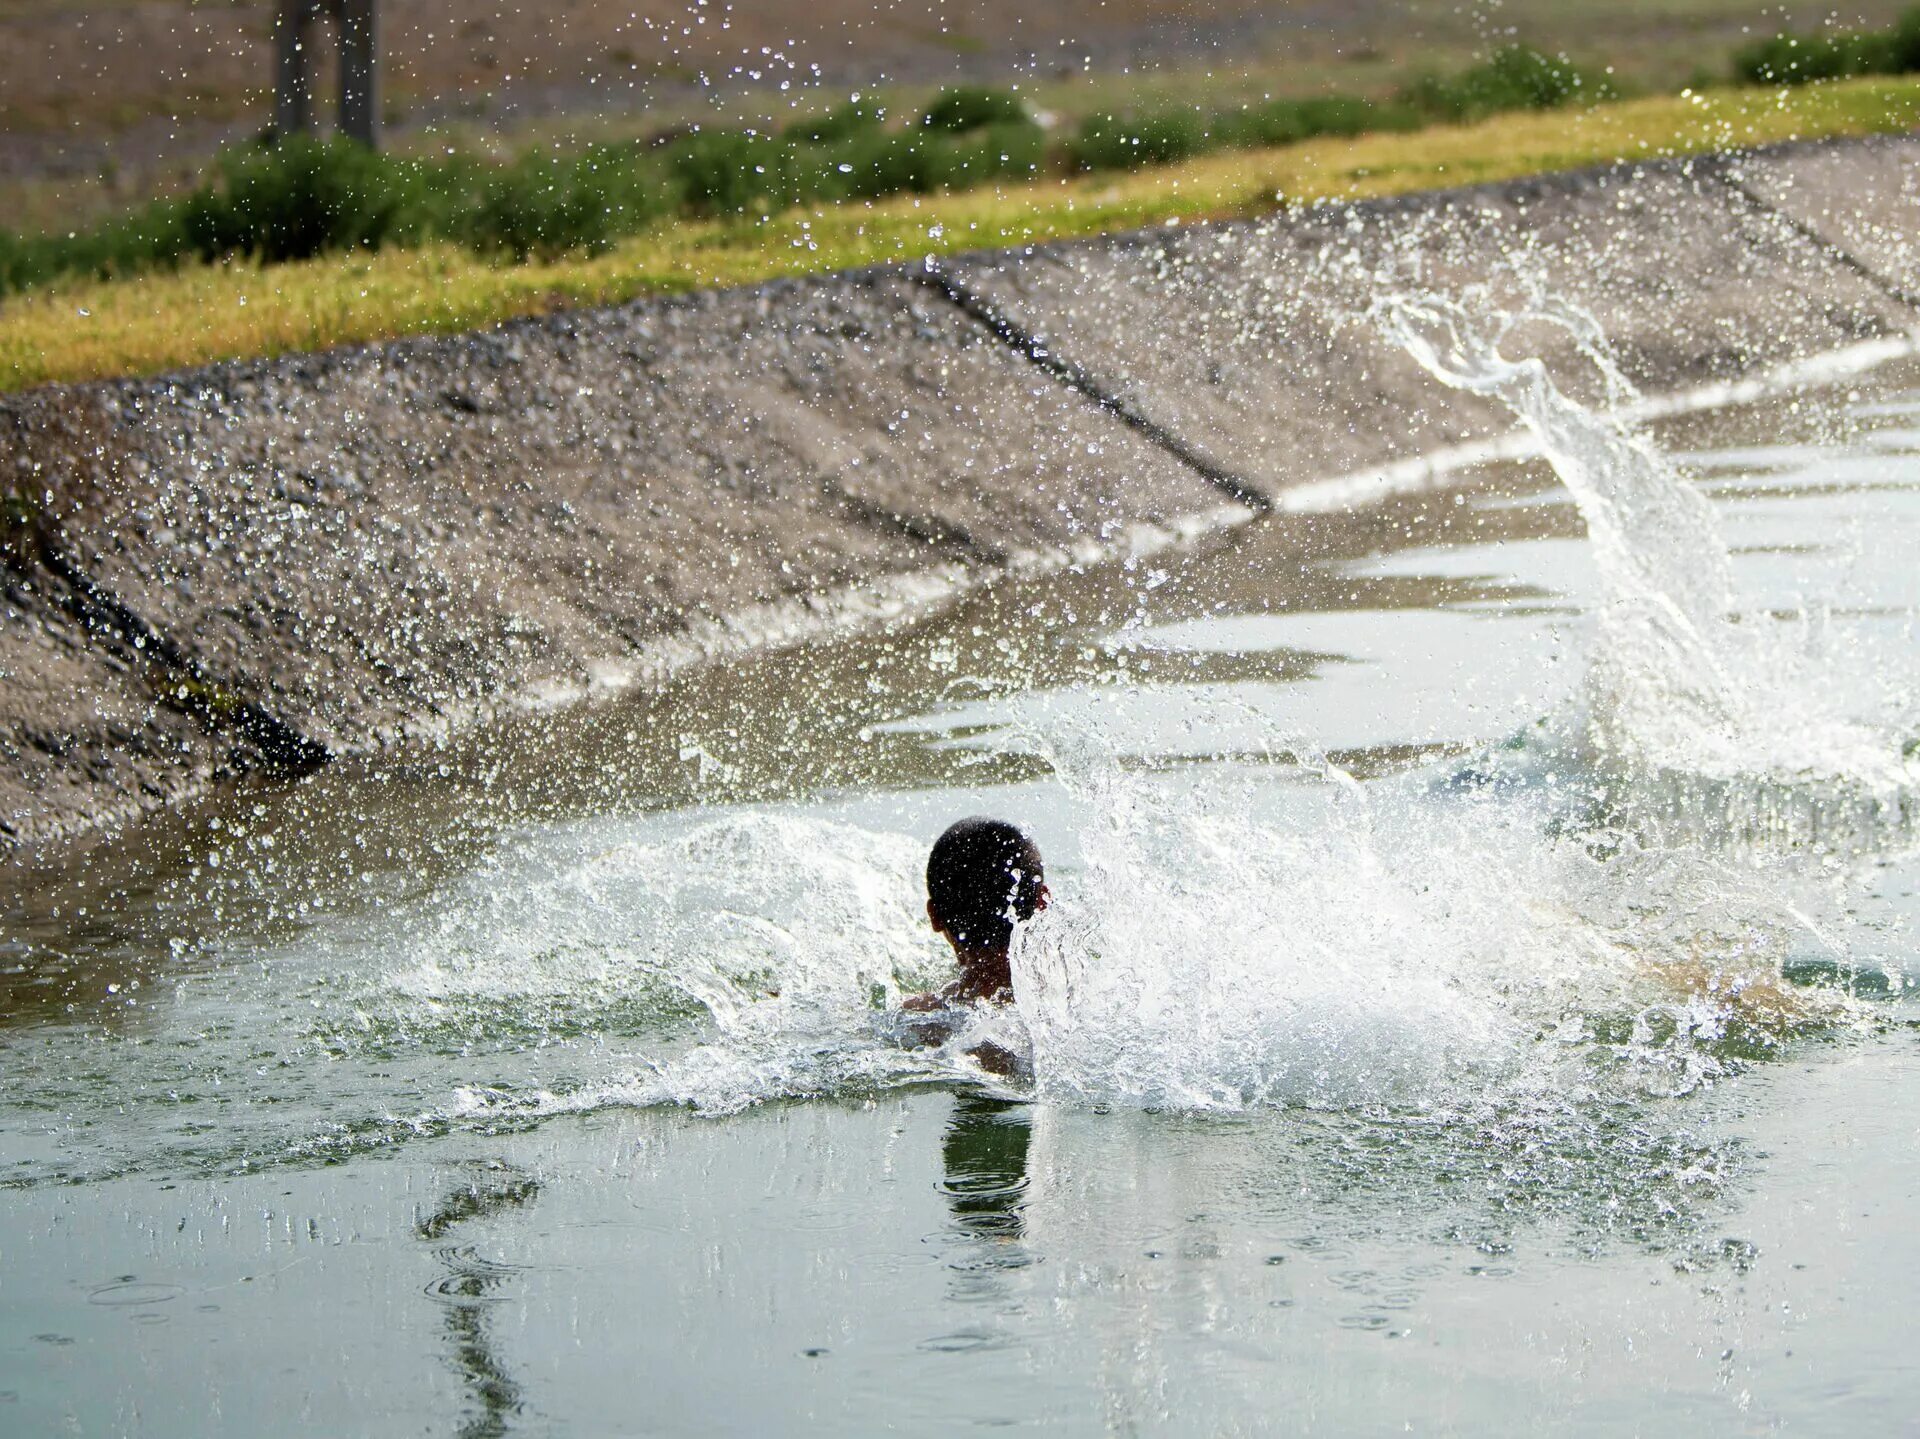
(929, 1260)
(1398, 1060)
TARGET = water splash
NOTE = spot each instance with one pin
(735, 960)
(1731, 715)
(1216, 952)
(1212, 947)
(1251, 929)
(1219, 948)
(1222, 938)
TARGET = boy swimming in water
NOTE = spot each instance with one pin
(983, 877)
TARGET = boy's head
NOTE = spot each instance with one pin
(983, 875)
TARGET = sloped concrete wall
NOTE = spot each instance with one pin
(1251, 342)
(259, 566)
(1859, 202)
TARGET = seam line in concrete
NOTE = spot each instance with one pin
(1839, 254)
(214, 704)
(927, 530)
(975, 306)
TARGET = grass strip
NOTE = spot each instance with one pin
(81, 330)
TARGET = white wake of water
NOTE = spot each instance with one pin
(1221, 941)
(1214, 952)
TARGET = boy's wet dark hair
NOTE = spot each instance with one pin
(983, 875)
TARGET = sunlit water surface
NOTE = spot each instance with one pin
(1475, 1000)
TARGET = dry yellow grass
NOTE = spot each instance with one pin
(79, 331)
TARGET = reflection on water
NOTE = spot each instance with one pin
(984, 1157)
(472, 1288)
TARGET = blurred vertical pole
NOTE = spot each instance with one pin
(359, 72)
(293, 68)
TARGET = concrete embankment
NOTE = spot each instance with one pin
(260, 566)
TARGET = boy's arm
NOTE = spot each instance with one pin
(925, 1033)
(1766, 1000)
(995, 1060)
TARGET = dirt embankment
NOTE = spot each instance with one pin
(132, 91)
(261, 566)
(105, 102)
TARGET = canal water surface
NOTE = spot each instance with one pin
(1475, 1002)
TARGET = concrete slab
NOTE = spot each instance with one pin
(377, 542)
(1690, 282)
(1251, 342)
(1247, 341)
(1862, 196)
(84, 746)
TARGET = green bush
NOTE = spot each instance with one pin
(1286, 122)
(849, 122)
(732, 172)
(1109, 142)
(151, 236)
(32, 260)
(294, 199)
(1903, 44)
(1275, 122)
(1010, 149)
(889, 164)
(1800, 59)
(974, 107)
(441, 195)
(546, 204)
(1516, 77)
(919, 161)
(1797, 60)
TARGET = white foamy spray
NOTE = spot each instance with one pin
(1377, 945)
(1728, 710)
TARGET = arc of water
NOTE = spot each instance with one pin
(1665, 570)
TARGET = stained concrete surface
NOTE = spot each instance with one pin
(378, 542)
(1865, 208)
(1250, 341)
